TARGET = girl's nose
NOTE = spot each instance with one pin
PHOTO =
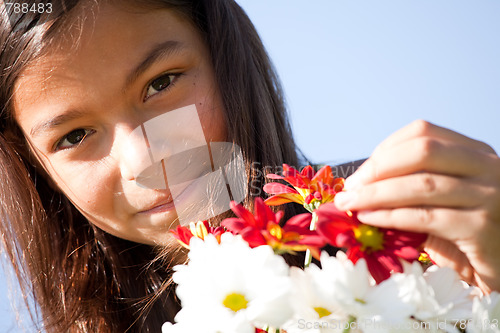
(134, 154)
(147, 151)
(141, 159)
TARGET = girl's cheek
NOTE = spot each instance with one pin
(211, 113)
(90, 186)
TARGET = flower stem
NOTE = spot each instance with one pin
(308, 258)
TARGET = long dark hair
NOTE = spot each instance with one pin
(80, 278)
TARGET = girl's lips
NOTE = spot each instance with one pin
(165, 206)
(160, 206)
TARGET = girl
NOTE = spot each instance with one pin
(78, 80)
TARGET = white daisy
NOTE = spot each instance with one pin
(315, 309)
(377, 308)
(341, 294)
(230, 287)
(486, 314)
(442, 301)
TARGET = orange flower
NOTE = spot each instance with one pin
(200, 230)
(310, 189)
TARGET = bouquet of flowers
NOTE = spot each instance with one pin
(237, 281)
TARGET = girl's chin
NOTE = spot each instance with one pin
(163, 217)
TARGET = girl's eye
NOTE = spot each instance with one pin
(75, 137)
(159, 84)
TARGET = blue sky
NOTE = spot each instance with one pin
(354, 71)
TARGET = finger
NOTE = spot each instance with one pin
(447, 223)
(476, 260)
(424, 154)
(420, 189)
(469, 230)
(446, 254)
(422, 128)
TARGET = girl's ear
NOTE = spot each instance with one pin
(15, 137)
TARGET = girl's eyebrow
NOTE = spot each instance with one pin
(159, 51)
(54, 122)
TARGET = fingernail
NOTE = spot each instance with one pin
(344, 200)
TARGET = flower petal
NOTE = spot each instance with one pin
(234, 224)
(414, 239)
(328, 212)
(292, 176)
(278, 188)
(344, 239)
(253, 237)
(262, 214)
(242, 213)
(313, 241)
(324, 175)
(332, 222)
(183, 235)
(408, 253)
(389, 260)
(301, 221)
(274, 176)
(283, 198)
(354, 254)
(379, 271)
(279, 216)
(307, 172)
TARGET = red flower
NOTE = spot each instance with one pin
(309, 189)
(262, 228)
(380, 247)
(200, 230)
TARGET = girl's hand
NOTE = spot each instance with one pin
(426, 178)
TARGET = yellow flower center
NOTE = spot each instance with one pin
(424, 258)
(235, 302)
(275, 230)
(371, 238)
(304, 192)
(322, 312)
(359, 300)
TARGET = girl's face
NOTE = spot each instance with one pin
(78, 104)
